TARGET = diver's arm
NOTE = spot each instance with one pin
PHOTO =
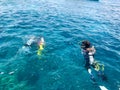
(92, 49)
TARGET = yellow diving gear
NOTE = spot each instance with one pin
(40, 49)
(98, 66)
(41, 46)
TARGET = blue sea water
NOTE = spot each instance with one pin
(63, 23)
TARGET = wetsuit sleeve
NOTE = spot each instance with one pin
(93, 50)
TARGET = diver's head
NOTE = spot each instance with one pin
(85, 44)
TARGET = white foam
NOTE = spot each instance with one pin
(11, 72)
(30, 41)
(1, 73)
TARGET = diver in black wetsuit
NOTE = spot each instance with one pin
(88, 52)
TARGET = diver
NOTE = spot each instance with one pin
(34, 42)
(88, 52)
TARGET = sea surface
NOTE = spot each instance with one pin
(63, 24)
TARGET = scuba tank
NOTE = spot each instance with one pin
(91, 53)
(91, 58)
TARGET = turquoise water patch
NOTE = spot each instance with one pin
(63, 24)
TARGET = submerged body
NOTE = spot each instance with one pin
(88, 52)
(33, 41)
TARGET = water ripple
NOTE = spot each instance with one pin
(63, 24)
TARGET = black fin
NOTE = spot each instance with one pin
(104, 78)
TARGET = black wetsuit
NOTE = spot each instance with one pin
(86, 57)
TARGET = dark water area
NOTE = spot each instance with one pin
(62, 23)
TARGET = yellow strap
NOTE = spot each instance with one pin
(41, 47)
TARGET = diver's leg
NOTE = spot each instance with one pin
(87, 66)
